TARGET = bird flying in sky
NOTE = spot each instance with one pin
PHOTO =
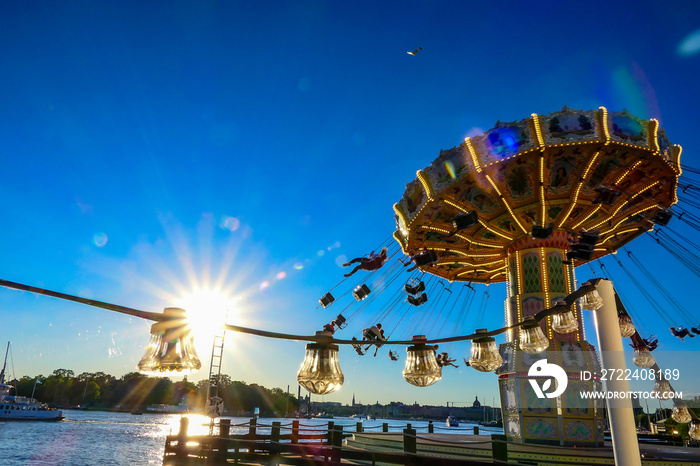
(415, 51)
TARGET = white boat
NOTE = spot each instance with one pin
(167, 409)
(452, 421)
(21, 408)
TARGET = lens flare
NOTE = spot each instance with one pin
(100, 240)
(230, 223)
(690, 45)
(298, 266)
(450, 169)
(281, 275)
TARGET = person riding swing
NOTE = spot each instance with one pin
(369, 262)
(681, 332)
(373, 334)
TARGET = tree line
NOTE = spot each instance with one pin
(135, 391)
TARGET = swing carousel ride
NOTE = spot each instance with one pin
(525, 203)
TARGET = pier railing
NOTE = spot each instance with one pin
(296, 444)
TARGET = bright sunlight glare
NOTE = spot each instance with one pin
(207, 311)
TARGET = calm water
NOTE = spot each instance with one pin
(99, 438)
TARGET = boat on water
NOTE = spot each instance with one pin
(494, 423)
(21, 408)
(452, 421)
(181, 408)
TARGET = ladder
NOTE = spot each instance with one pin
(217, 355)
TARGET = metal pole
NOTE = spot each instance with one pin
(620, 414)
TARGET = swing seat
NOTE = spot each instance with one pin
(361, 292)
(418, 301)
(372, 335)
(326, 300)
(340, 321)
(415, 289)
(662, 217)
(425, 258)
(465, 220)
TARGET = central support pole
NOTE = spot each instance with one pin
(620, 413)
(538, 275)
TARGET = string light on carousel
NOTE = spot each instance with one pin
(171, 349)
(320, 371)
(421, 367)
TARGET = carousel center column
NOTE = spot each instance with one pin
(539, 274)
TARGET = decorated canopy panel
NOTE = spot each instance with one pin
(575, 171)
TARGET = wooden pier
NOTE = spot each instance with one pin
(332, 445)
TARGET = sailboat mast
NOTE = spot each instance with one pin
(4, 364)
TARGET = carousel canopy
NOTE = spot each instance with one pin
(588, 181)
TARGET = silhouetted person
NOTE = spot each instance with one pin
(444, 360)
(370, 262)
(681, 332)
(357, 347)
(374, 333)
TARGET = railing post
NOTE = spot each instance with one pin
(329, 439)
(358, 427)
(409, 440)
(385, 427)
(224, 427)
(275, 447)
(338, 436)
(476, 430)
(499, 447)
(182, 437)
(431, 429)
(252, 432)
(337, 443)
(295, 431)
(275, 433)
(408, 426)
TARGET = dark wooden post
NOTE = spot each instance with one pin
(337, 443)
(358, 427)
(252, 432)
(499, 447)
(409, 440)
(275, 433)
(224, 427)
(295, 431)
(408, 426)
(476, 430)
(329, 438)
(275, 447)
(338, 436)
(182, 437)
(385, 427)
(431, 429)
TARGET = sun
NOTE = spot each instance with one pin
(207, 311)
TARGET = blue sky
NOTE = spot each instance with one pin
(153, 149)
